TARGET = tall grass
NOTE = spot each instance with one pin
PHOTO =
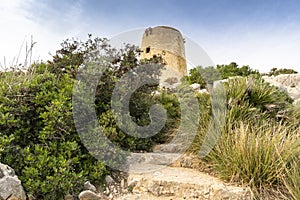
(25, 53)
(257, 156)
(257, 147)
(292, 178)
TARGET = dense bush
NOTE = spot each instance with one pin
(275, 71)
(208, 75)
(38, 136)
(250, 96)
(43, 148)
(233, 69)
(202, 76)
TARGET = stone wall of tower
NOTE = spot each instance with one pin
(167, 42)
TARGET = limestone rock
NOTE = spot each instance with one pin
(159, 158)
(203, 91)
(132, 183)
(195, 86)
(122, 184)
(169, 148)
(286, 82)
(297, 102)
(10, 186)
(69, 197)
(89, 195)
(187, 160)
(181, 183)
(88, 186)
(109, 180)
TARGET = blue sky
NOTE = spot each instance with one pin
(262, 34)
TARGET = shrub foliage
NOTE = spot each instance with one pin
(37, 132)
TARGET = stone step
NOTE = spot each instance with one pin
(143, 168)
(182, 183)
(169, 148)
(153, 158)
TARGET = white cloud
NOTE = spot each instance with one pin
(50, 22)
(14, 29)
(22, 19)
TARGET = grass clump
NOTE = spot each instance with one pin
(260, 142)
(292, 178)
(257, 156)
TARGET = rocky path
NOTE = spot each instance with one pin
(161, 174)
(155, 177)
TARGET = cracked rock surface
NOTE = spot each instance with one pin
(10, 186)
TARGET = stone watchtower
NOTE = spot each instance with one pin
(169, 43)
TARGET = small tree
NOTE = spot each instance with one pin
(275, 71)
(233, 70)
(210, 74)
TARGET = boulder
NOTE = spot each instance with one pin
(69, 197)
(88, 186)
(203, 91)
(109, 180)
(181, 183)
(10, 186)
(286, 82)
(195, 86)
(89, 195)
(297, 102)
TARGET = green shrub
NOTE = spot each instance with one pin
(232, 70)
(275, 71)
(202, 76)
(41, 142)
(38, 137)
(208, 75)
(249, 97)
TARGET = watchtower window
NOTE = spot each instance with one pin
(147, 49)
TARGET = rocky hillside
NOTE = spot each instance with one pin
(287, 82)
